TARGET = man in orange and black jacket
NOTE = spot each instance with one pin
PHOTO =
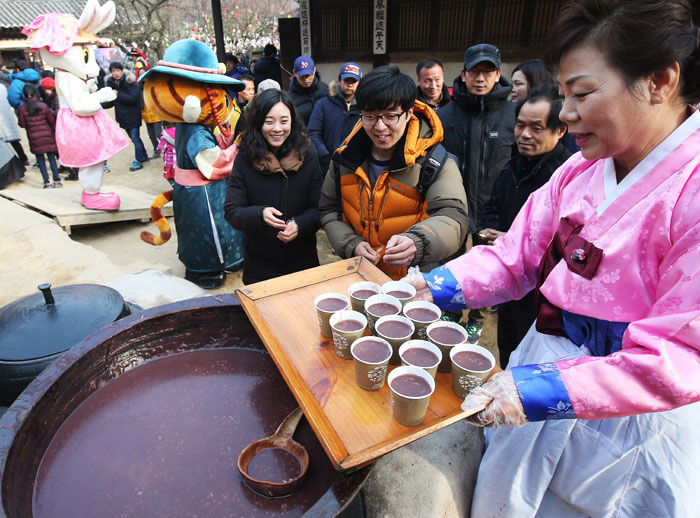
(371, 205)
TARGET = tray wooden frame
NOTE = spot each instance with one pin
(354, 426)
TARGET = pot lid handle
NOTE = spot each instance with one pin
(46, 291)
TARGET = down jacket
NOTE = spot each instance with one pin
(331, 121)
(437, 223)
(15, 93)
(479, 132)
(292, 186)
(129, 102)
(40, 128)
(305, 98)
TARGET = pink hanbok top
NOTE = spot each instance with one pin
(648, 227)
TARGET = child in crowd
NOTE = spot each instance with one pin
(166, 147)
(40, 123)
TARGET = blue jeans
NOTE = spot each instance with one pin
(42, 166)
(140, 150)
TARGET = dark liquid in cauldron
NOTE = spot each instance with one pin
(420, 357)
(410, 385)
(364, 294)
(382, 309)
(422, 314)
(472, 361)
(372, 351)
(274, 465)
(399, 294)
(348, 325)
(394, 329)
(162, 440)
(331, 304)
(446, 335)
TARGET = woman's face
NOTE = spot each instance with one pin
(607, 119)
(277, 125)
(520, 87)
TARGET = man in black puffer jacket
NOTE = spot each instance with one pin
(478, 127)
(538, 131)
(306, 87)
(127, 109)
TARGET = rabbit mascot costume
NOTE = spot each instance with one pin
(86, 136)
(188, 88)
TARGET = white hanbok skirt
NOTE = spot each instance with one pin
(633, 467)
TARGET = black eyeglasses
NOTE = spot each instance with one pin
(390, 119)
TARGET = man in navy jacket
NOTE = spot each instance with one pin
(334, 116)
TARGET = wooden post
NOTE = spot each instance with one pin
(218, 30)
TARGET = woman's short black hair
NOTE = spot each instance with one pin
(638, 37)
(253, 144)
(385, 87)
(546, 92)
(535, 71)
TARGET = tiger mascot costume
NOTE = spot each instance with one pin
(188, 88)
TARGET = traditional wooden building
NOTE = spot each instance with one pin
(414, 29)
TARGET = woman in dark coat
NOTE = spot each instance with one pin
(40, 123)
(273, 191)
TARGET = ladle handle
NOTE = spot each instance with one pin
(46, 291)
(290, 423)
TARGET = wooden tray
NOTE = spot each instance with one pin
(354, 426)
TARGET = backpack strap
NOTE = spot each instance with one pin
(431, 167)
(338, 198)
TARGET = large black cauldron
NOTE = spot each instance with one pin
(29, 425)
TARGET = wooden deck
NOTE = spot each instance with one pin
(64, 205)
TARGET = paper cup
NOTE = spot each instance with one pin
(375, 299)
(430, 368)
(324, 315)
(465, 379)
(445, 346)
(358, 303)
(409, 410)
(393, 339)
(421, 324)
(393, 287)
(343, 338)
(370, 372)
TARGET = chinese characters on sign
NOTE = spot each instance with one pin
(379, 26)
(305, 22)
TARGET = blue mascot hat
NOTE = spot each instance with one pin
(194, 60)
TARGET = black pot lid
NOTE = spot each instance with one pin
(35, 327)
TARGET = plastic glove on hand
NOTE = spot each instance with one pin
(415, 278)
(504, 405)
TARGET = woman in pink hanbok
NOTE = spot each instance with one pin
(597, 412)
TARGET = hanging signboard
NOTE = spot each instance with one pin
(305, 21)
(379, 26)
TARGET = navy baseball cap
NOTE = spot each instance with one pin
(482, 52)
(304, 66)
(351, 69)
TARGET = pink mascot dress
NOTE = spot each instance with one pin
(86, 136)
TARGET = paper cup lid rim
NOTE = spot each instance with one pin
(409, 369)
(471, 347)
(367, 339)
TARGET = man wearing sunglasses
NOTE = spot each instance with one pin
(479, 132)
(371, 205)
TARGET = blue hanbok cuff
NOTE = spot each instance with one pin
(446, 291)
(542, 392)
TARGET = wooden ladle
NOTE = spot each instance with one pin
(282, 439)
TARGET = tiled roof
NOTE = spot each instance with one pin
(18, 13)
